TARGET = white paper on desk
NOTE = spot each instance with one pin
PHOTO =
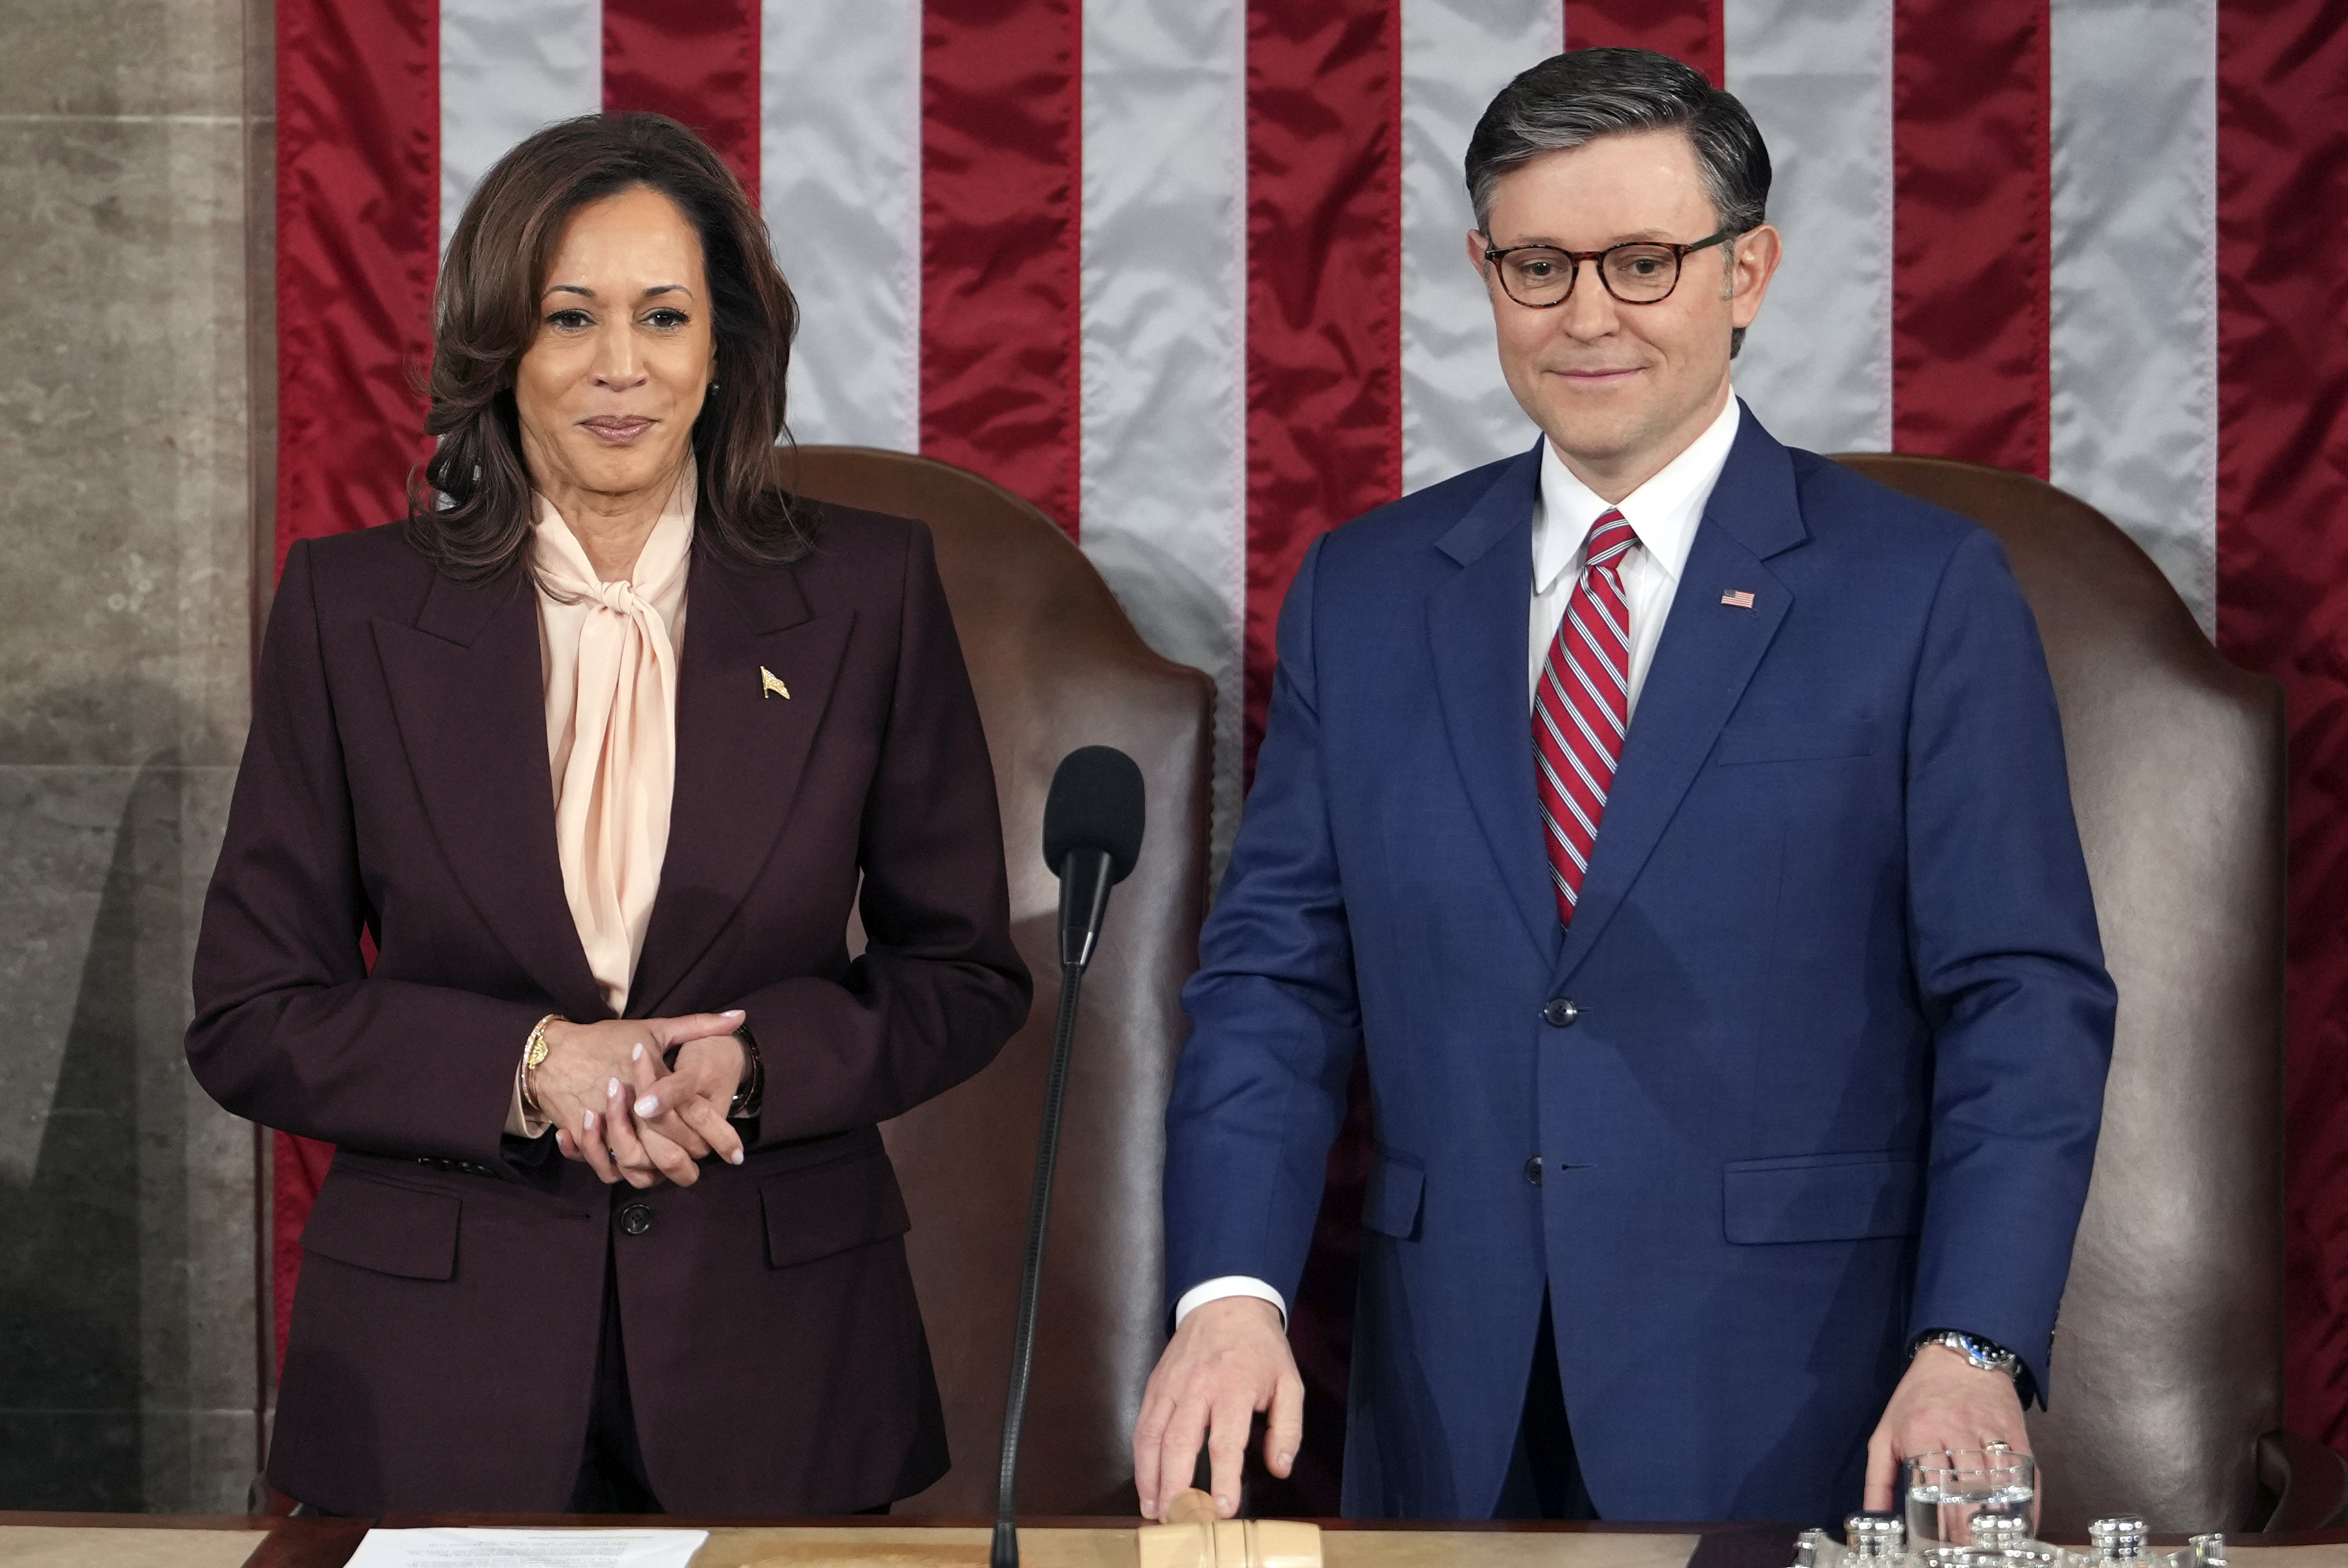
(446, 1548)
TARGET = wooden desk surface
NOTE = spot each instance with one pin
(135, 1541)
(143, 1541)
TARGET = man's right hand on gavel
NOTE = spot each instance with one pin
(1228, 1359)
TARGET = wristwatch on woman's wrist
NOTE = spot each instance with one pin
(1985, 1354)
(752, 1092)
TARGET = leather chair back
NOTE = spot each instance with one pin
(2168, 1365)
(1057, 665)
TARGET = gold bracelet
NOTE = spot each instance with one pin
(534, 1052)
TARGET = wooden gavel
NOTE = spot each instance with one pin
(1193, 1537)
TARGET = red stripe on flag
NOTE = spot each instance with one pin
(358, 244)
(1002, 146)
(1689, 30)
(1971, 218)
(694, 61)
(2283, 587)
(1324, 290)
(1323, 444)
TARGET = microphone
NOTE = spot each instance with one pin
(1091, 835)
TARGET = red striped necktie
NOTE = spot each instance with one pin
(1583, 708)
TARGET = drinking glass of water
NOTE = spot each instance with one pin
(1946, 1489)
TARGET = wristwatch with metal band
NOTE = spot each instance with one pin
(753, 1089)
(1985, 1354)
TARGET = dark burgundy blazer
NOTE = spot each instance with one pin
(395, 781)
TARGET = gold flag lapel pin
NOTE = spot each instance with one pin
(1737, 598)
(771, 684)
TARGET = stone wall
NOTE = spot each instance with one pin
(135, 161)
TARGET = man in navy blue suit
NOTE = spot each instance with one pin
(1679, 822)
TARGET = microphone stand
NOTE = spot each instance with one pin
(1077, 945)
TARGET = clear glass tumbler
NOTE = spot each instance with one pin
(1946, 1489)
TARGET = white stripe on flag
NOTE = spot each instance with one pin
(509, 67)
(1456, 412)
(2135, 306)
(1816, 74)
(1164, 495)
(840, 176)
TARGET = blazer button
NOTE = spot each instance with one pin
(636, 1218)
(1559, 1012)
(1532, 1170)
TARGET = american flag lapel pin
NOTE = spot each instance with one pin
(1737, 598)
(771, 685)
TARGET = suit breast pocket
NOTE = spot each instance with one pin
(1821, 1197)
(1742, 744)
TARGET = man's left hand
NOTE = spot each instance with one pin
(1943, 1402)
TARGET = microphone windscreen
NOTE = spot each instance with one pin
(1096, 802)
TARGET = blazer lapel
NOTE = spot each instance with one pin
(467, 692)
(1476, 625)
(741, 750)
(1708, 652)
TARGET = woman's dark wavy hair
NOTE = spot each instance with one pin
(470, 510)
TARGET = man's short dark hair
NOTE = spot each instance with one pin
(1571, 99)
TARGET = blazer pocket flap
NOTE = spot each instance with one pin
(1820, 1198)
(1391, 1205)
(1792, 742)
(391, 1229)
(829, 1209)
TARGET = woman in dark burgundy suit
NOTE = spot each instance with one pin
(601, 747)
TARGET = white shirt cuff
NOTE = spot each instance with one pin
(1216, 1289)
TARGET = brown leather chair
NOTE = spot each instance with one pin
(2168, 1367)
(1057, 665)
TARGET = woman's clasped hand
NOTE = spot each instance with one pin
(617, 1103)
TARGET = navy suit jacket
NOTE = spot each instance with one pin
(1843, 1022)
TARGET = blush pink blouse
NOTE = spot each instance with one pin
(609, 652)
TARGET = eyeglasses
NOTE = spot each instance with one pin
(1643, 273)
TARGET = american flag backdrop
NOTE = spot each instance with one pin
(1188, 274)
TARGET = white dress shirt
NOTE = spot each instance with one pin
(1664, 512)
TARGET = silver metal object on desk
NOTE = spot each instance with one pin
(1998, 1539)
(1875, 1537)
(2120, 1540)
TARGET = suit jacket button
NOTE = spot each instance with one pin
(1559, 1012)
(1532, 1170)
(636, 1218)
